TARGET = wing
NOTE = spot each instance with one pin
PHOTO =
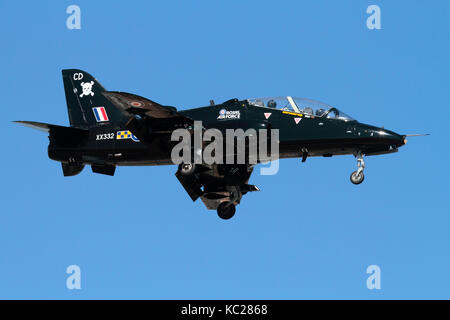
(215, 184)
(134, 104)
(147, 117)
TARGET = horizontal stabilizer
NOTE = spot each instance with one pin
(44, 127)
(64, 136)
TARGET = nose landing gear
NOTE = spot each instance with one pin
(357, 176)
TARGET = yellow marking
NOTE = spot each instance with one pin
(123, 134)
(293, 113)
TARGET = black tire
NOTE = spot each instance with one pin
(186, 169)
(226, 210)
(356, 178)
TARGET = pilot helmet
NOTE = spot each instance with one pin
(271, 104)
(320, 112)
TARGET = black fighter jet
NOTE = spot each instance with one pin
(110, 129)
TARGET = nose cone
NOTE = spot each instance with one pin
(375, 140)
(391, 137)
(380, 135)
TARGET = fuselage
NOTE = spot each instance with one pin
(298, 133)
(215, 147)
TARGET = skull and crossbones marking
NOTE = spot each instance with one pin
(87, 88)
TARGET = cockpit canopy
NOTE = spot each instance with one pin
(300, 105)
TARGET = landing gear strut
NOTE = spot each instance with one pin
(226, 210)
(357, 176)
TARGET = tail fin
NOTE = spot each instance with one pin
(86, 104)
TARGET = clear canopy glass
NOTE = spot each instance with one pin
(300, 105)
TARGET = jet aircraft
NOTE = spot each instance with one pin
(111, 128)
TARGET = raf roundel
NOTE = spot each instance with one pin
(136, 104)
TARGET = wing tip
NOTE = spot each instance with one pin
(45, 127)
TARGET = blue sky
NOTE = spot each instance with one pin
(309, 233)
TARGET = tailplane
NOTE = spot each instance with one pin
(65, 138)
(60, 135)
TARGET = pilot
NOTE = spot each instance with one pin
(271, 104)
(308, 110)
(320, 112)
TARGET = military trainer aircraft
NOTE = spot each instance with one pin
(110, 129)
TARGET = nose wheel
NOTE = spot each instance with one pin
(357, 176)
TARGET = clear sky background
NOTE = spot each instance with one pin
(309, 233)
